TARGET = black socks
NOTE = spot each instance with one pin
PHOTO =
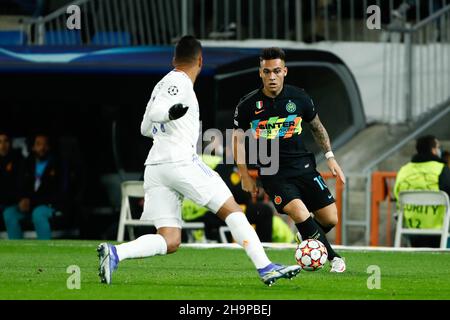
(325, 229)
(309, 229)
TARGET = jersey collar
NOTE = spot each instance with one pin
(279, 96)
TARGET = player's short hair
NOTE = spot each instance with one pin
(272, 53)
(425, 144)
(187, 49)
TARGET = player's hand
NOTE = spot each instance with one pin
(177, 111)
(336, 169)
(249, 184)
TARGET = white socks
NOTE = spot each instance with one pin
(246, 236)
(154, 244)
(145, 246)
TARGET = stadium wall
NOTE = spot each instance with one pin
(366, 61)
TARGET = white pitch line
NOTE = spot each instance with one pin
(267, 245)
(293, 246)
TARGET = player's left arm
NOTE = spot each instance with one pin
(322, 138)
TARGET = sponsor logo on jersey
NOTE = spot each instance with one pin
(258, 112)
(291, 107)
(277, 127)
(259, 105)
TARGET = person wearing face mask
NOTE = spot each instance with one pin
(426, 171)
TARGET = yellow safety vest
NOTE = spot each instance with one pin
(420, 176)
(281, 232)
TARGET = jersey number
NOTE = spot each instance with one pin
(320, 182)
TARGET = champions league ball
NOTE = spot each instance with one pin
(311, 255)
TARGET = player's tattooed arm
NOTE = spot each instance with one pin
(323, 140)
(320, 134)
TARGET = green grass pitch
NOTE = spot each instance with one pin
(38, 270)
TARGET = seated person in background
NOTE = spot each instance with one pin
(10, 162)
(39, 191)
(426, 171)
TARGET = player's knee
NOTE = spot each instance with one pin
(173, 245)
(331, 218)
(332, 221)
(327, 217)
(296, 211)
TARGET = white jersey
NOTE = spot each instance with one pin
(174, 140)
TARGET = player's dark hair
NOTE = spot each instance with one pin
(272, 54)
(425, 144)
(187, 50)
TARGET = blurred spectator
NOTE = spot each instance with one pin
(10, 162)
(39, 191)
(426, 171)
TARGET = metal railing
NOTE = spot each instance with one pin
(416, 71)
(149, 22)
(112, 22)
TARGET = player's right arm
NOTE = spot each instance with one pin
(247, 182)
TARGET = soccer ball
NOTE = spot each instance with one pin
(311, 255)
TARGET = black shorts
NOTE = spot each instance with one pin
(309, 187)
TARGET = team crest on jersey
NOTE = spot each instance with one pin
(259, 105)
(291, 107)
(277, 200)
(173, 90)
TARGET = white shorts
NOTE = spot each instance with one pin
(166, 185)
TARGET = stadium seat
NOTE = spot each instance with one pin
(222, 232)
(13, 38)
(111, 38)
(423, 198)
(136, 189)
(65, 37)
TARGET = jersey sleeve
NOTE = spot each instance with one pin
(309, 110)
(164, 96)
(241, 119)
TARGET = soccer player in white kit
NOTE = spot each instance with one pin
(173, 171)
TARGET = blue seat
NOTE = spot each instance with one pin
(13, 38)
(111, 38)
(64, 37)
